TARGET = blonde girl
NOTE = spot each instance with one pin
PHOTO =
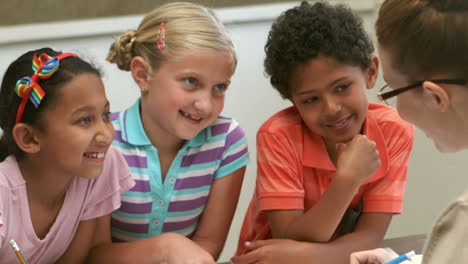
(187, 160)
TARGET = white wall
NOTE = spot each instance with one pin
(250, 100)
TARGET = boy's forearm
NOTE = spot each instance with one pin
(339, 250)
(319, 223)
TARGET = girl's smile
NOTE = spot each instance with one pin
(95, 156)
(81, 119)
(185, 95)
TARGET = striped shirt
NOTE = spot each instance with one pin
(153, 207)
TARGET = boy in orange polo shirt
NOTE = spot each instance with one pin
(331, 153)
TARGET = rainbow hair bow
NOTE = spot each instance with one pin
(28, 88)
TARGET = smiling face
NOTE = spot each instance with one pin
(76, 130)
(331, 97)
(185, 95)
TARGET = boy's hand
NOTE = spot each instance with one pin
(357, 159)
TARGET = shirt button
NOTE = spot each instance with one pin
(160, 202)
(172, 180)
(156, 222)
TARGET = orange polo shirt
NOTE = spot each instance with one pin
(294, 169)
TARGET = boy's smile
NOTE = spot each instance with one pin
(340, 124)
(331, 98)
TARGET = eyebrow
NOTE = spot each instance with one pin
(328, 85)
(87, 108)
(199, 77)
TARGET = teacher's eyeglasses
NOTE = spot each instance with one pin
(388, 95)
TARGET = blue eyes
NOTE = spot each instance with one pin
(192, 82)
(221, 88)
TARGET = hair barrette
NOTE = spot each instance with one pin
(28, 87)
(161, 44)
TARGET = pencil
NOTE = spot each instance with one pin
(401, 258)
(17, 252)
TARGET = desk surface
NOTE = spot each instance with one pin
(405, 244)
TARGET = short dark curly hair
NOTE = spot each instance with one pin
(308, 31)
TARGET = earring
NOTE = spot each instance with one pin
(36, 148)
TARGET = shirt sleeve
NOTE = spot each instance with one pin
(236, 153)
(279, 183)
(449, 238)
(105, 191)
(386, 193)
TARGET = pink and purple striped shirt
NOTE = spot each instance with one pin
(153, 206)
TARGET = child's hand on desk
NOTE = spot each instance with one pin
(357, 159)
(376, 256)
(179, 249)
(275, 251)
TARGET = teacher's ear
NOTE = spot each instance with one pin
(436, 96)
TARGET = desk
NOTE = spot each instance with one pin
(405, 244)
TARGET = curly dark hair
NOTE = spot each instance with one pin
(308, 31)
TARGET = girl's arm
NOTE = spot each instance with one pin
(207, 242)
(170, 248)
(217, 216)
(174, 248)
(88, 234)
(92, 244)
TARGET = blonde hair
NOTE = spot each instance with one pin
(188, 28)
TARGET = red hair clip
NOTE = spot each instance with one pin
(161, 44)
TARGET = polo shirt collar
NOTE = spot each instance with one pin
(314, 148)
(134, 133)
(132, 126)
